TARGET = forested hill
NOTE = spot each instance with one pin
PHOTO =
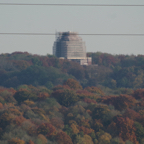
(45, 100)
(113, 71)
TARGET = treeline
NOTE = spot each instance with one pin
(70, 114)
(113, 71)
(124, 70)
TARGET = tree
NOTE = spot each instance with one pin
(57, 122)
(86, 139)
(96, 90)
(117, 140)
(126, 129)
(138, 94)
(131, 114)
(86, 94)
(139, 131)
(73, 84)
(87, 100)
(120, 102)
(16, 141)
(102, 112)
(98, 125)
(20, 64)
(47, 129)
(86, 130)
(74, 128)
(31, 142)
(65, 97)
(104, 138)
(42, 138)
(43, 95)
(77, 72)
(63, 138)
(23, 95)
(6, 119)
(19, 120)
(28, 102)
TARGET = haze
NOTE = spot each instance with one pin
(84, 20)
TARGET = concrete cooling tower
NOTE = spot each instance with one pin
(69, 45)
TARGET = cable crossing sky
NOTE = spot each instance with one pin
(104, 5)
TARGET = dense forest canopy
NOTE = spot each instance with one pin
(113, 71)
(46, 100)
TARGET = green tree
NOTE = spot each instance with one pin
(23, 95)
(139, 131)
(65, 97)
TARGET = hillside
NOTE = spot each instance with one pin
(113, 71)
(45, 100)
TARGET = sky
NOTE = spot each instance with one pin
(84, 20)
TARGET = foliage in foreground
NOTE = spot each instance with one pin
(67, 115)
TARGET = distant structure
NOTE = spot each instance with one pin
(69, 45)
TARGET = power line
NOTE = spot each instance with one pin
(105, 5)
(27, 34)
(52, 34)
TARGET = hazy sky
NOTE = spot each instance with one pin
(48, 19)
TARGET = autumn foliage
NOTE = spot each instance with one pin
(46, 129)
(63, 138)
(16, 141)
(45, 100)
(139, 94)
(73, 84)
(126, 129)
(120, 102)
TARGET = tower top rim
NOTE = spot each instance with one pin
(68, 33)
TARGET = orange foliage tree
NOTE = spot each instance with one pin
(28, 102)
(86, 94)
(21, 64)
(63, 138)
(126, 129)
(16, 141)
(120, 102)
(1, 105)
(87, 100)
(31, 142)
(43, 96)
(47, 129)
(61, 87)
(139, 93)
(19, 120)
(32, 131)
(131, 114)
(14, 111)
(86, 130)
(2, 89)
